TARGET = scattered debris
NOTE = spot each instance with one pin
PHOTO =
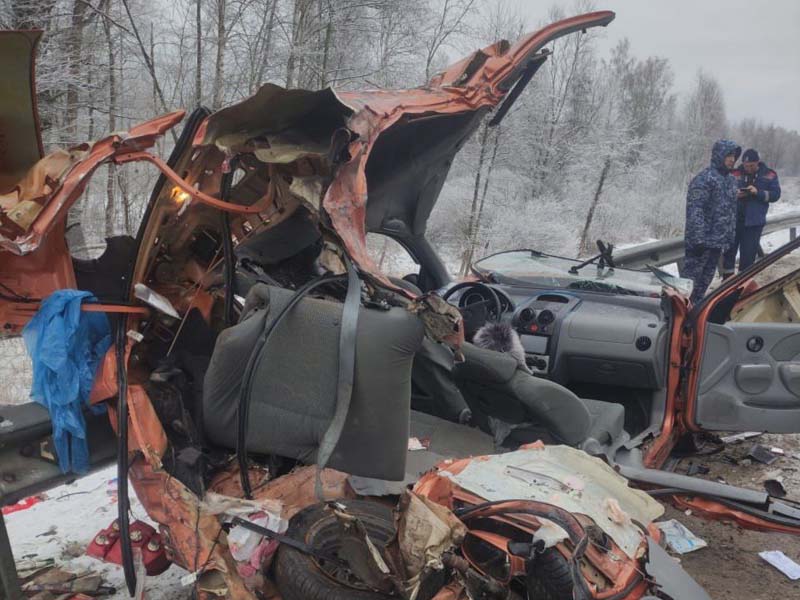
(782, 562)
(55, 581)
(156, 300)
(50, 532)
(679, 538)
(778, 451)
(26, 569)
(739, 437)
(731, 460)
(6, 424)
(254, 552)
(417, 444)
(762, 454)
(695, 469)
(775, 488)
(425, 531)
(23, 504)
(73, 550)
(671, 579)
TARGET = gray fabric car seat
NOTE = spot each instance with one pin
(495, 387)
(293, 394)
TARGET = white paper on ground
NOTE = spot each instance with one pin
(783, 563)
(415, 444)
(680, 539)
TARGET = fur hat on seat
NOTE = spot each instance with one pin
(501, 337)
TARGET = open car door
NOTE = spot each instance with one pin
(20, 142)
(743, 357)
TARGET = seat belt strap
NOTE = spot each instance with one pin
(346, 376)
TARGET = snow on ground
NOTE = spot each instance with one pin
(64, 524)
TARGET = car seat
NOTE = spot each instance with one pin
(294, 383)
(533, 408)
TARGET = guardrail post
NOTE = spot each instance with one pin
(792, 233)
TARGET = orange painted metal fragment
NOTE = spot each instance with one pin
(711, 509)
(35, 259)
(56, 181)
(376, 111)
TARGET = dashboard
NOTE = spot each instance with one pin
(585, 337)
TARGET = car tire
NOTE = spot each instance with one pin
(300, 576)
(549, 578)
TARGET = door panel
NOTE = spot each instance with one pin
(750, 378)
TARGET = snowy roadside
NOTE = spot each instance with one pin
(63, 525)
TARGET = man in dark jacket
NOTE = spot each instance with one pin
(710, 216)
(758, 188)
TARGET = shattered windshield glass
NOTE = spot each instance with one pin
(529, 266)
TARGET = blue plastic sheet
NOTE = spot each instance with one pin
(66, 346)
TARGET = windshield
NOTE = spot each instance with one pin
(529, 266)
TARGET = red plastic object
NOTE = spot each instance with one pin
(106, 547)
(22, 505)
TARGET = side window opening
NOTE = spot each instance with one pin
(391, 257)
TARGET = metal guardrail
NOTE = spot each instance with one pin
(666, 252)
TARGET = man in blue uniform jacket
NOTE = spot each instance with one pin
(710, 217)
(758, 188)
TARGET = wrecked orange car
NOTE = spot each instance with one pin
(266, 378)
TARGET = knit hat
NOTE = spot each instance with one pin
(751, 155)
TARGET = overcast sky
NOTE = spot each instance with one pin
(751, 47)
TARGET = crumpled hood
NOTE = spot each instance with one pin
(720, 150)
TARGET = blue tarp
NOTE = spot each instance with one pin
(66, 346)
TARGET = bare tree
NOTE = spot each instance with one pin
(112, 120)
(704, 121)
(219, 64)
(449, 18)
(198, 69)
(74, 54)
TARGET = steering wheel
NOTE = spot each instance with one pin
(476, 313)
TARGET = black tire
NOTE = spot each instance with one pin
(549, 577)
(301, 577)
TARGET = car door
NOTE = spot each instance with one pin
(743, 359)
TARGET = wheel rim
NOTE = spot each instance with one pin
(324, 535)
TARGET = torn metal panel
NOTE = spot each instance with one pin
(55, 196)
(342, 131)
(194, 539)
(567, 478)
(673, 582)
(295, 490)
(425, 531)
(442, 320)
(300, 119)
(363, 558)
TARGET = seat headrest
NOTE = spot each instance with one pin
(488, 366)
